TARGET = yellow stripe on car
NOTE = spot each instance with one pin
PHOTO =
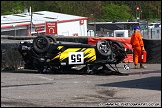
(89, 54)
(65, 55)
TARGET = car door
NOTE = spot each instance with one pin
(77, 56)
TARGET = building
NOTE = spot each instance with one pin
(43, 22)
(106, 29)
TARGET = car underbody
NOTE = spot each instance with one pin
(46, 54)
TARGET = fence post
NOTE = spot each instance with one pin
(151, 33)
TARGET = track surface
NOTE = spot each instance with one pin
(28, 88)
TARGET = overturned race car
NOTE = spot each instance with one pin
(45, 54)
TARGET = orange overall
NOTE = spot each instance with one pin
(137, 44)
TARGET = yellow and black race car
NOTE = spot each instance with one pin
(45, 53)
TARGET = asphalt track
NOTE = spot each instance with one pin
(28, 88)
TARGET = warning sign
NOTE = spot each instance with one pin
(51, 27)
(38, 29)
(75, 34)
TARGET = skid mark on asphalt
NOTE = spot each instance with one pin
(14, 86)
(145, 72)
(110, 93)
(17, 103)
(95, 98)
(102, 95)
(44, 78)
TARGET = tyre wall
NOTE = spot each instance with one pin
(11, 58)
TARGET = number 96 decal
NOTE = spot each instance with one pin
(76, 58)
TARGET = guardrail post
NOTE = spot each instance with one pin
(151, 33)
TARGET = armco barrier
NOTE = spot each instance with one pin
(153, 48)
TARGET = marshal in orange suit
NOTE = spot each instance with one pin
(137, 46)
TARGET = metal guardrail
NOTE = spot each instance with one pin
(152, 33)
(147, 33)
(17, 37)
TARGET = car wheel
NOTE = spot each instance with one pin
(41, 44)
(119, 50)
(118, 44)
(51, 39)
(103, 48)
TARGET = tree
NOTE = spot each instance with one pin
(100, 9)
(115, 12)
(6, 7)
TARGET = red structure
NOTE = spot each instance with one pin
(51, 27)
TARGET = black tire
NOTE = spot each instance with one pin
(116, 45)
(51, 39)
(41, 71)
(119, 50)
(103, 48)
(41, 44)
